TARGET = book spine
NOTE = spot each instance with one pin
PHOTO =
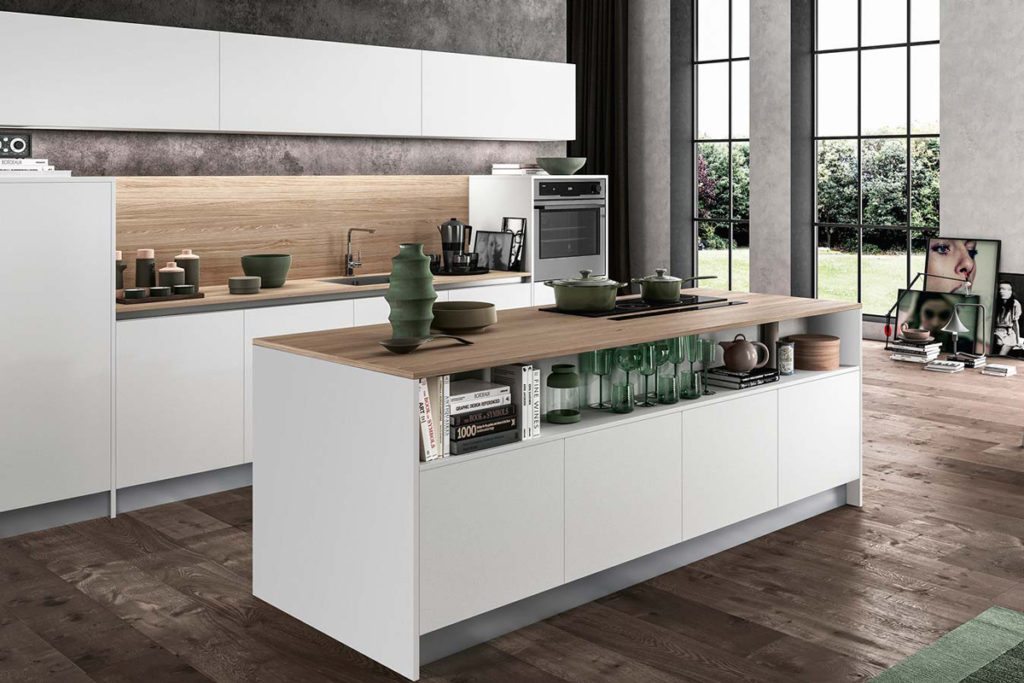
(536, 403)
(473, 431)
(446, 416)
(426, 430)
(512, 376)
(460, 408)
(715, 381)
(526, 417)
(481, 442)
(482, 415)
(494, 392)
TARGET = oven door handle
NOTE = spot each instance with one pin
(570, 206)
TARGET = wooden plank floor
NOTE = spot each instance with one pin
(163, 594)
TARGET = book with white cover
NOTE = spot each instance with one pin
(519, 378)
(446, 416)
(479, 404)
(428, 436)
(464, 390)
(24, 163)
(536, 402)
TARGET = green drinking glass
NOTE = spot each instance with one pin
(691, 349)
(676, 352)
(599, 364)
(689, 385)
(627, 359)
(652, 356)
(707, 357)
(668, 388)
(622, 398)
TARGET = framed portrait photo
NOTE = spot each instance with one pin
(1006, 316)
(955, 265)
(932, 310)
(493, 249)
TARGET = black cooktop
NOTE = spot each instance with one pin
(634, 304)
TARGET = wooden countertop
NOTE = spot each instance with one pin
(218, 297)
(528, 334)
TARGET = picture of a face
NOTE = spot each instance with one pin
(951, 258)
(1005, 290)
(935, 313)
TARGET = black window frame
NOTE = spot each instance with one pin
(730, 141)
(909, 136)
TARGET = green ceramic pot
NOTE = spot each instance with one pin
(411, 293)
(272, 268)
(561, 165)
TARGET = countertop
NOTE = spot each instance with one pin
(293, 292)
(528, 334)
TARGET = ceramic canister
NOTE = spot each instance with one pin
(171, 275)
(145, 268)
(785, 354)
(411, 293)
(189, 262)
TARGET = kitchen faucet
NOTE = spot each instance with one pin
(350, 265)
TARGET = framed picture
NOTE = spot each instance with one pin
(516, 226)
(965, 266)
(493, 249)
(932, 310)
(1006, 313)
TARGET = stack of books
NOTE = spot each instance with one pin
(947, 366)
(999, 370)
(517, 169)
(915, 352)
(482, 416)
(728, 379)
(970, 360)
(30, 168)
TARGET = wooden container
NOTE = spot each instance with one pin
(815, 351)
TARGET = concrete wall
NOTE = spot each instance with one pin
(770, 140)
(981, 105)
(650, 151)
(527, 29)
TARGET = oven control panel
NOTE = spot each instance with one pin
(570, 188)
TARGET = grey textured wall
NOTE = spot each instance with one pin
(527, 29)
(981, 98)
(650, 149)
(770, 134)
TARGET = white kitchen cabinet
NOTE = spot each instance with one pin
(56, 338)
(543, 295)
(490, 532)
(819, 436)
(276, 320)
(473, 96)
(516, 295)
(370, 311)
(79, 73)
(180, 395)
(730, 462)
(623, 494)
(286, 85)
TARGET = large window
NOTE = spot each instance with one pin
(877, 138)
(721, 142)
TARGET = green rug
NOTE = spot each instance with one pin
(987, 649)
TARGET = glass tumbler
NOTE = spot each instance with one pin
(668, 388)
(689, 385)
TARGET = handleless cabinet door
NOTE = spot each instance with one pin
(730, 462)
(372, 310)
(622, 494)
(79, 73)
(502, 296)
(276, 320)
(819, 436)
(180, 395)
(490, 532)
(285, 85)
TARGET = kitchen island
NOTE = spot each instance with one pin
(407, 561)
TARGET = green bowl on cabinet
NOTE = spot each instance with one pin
(271, 268)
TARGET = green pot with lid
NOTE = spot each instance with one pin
(585, 294)
(662, 288)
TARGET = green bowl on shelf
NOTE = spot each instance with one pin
(561, 165)
(271, 268)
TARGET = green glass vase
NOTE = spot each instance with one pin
(410, 293)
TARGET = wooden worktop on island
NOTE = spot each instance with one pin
(528, 334)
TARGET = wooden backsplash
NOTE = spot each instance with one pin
(221, 218)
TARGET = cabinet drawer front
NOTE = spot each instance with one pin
(819, 436)
(730, 462)
(502, 296)
(623, 496)
(370, 311)
(490, 533)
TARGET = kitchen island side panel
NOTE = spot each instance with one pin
(335, 500)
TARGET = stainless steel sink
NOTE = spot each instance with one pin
(359, 280)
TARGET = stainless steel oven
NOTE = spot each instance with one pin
(571, 224)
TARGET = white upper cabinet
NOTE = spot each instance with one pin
(285, 85)
(471, 96)
(78, 73)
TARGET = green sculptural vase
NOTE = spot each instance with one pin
(411, 292)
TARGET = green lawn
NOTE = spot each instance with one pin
(837, 274)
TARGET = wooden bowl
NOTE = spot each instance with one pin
(815, 351)
(463, 316)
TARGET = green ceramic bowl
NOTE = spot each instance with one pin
(561, 165)
(271, 268)
(463, 316)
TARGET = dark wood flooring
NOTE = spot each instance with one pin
(163, 594)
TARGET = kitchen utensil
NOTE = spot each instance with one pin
(463, 316)
(190, 263)
(913, 334)
(784, 355)
(171, 275)
(410, 292)
(461, 263)
(184, 289)
(410, 344)
(271, 268)
(563, 394)
(598, 363)
(707, 357)
(815, 351)
(244, 284)
(159, 291)
(435, 263)
(135, 293)
(454, 241)
(561, 165)
(917, 341)
(741, 355)
(585, 293)
(145, 268)
(662, 288)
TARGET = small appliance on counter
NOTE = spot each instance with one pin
(456, 258)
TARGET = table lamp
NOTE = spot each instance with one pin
(957, 327)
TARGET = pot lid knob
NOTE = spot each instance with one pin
(586, 273)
